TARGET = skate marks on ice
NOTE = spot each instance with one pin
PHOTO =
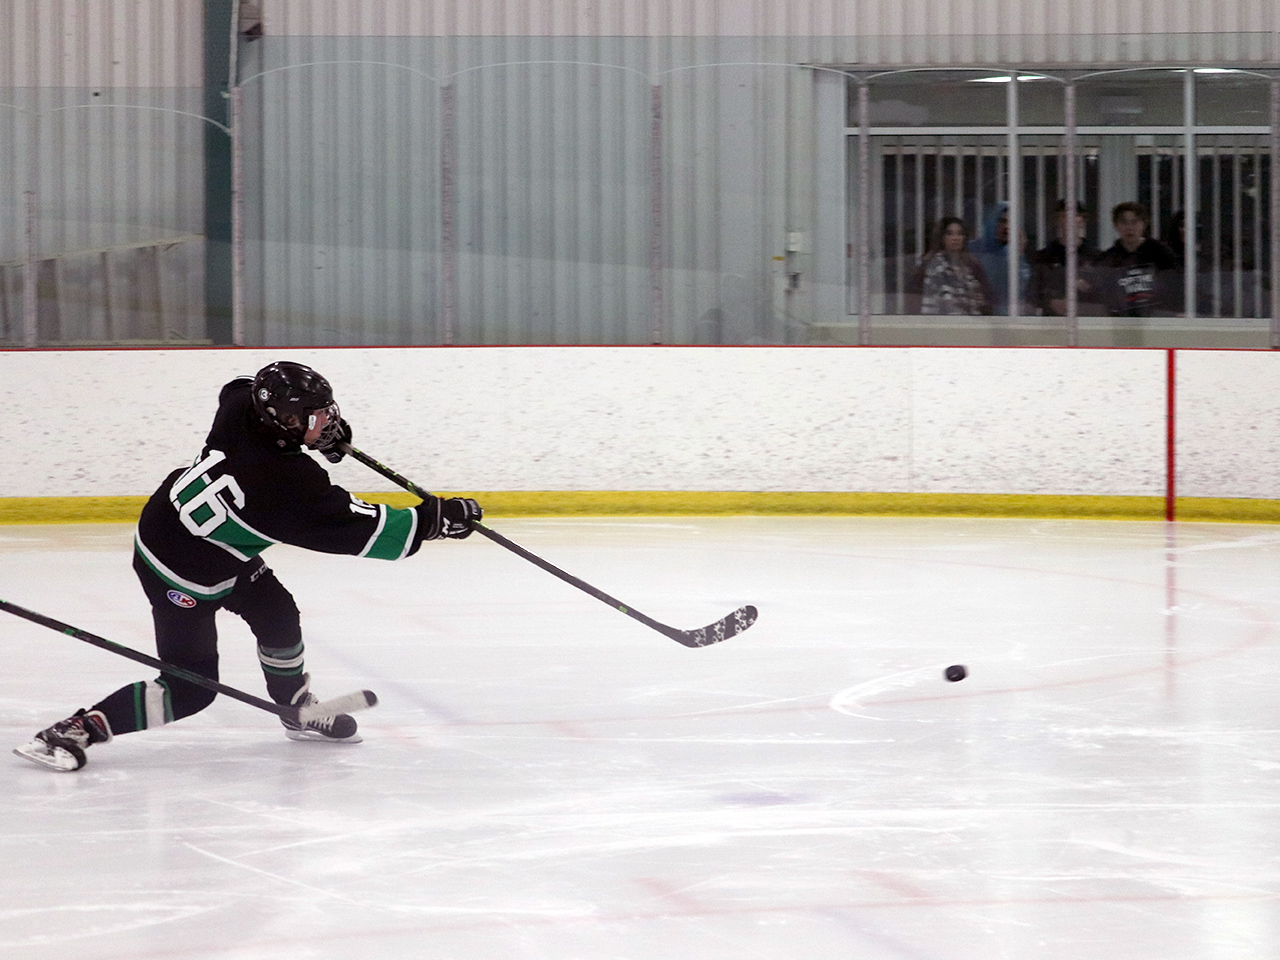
(542, 780)
(851, 701)
(930, 684)
(85, 919)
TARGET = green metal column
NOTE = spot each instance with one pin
(217, 170)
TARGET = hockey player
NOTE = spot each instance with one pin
(197, 550)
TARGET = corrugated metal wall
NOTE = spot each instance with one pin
(484, 172)
(836, 31)
(502, 191)
(139, 44)
(499, 171)
(101, 141)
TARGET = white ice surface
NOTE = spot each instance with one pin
(546, 778)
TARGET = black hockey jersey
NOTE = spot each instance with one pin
(207, 523)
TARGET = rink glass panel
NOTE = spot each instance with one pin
(935, 152)
(563, 190)
(101, 211)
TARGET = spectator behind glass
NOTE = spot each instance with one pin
(992, 251)
(1049, 270)
(1137, 274)
(954, 283)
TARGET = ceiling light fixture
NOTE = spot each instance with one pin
(1022, 78)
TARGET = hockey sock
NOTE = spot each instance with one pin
(283, 669)
(139, 706)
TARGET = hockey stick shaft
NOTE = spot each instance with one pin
(686, 637)
(502, 541)
(342, 704)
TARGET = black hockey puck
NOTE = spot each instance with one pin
(955, 672)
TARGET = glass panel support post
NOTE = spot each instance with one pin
(448, 235)
(864, 214)
(1069, 200)
(30, 338)
(1275, 214)
(1014, 194)
(237, 215)
(1189, 191)
(657, 313)
(235, 98)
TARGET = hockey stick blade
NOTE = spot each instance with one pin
(347, 703)
(722, 629)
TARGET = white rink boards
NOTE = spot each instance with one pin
(928, 420)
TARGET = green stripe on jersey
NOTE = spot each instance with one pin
(190, 490)
(197, 590)
(234, 533)
(393, 539)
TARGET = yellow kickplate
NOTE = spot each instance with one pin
(559, 503)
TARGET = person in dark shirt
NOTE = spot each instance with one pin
(198, 549)
(1137, 272)
(1049, 269)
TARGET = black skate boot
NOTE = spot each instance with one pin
(62, 746)
(340, 728)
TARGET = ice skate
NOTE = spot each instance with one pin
(62, 746)
(340, 728)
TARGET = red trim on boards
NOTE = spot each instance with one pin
(1170, 355)
(1171, 423)
(228, 348)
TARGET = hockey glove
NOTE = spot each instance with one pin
(330, 449)
(450, 518)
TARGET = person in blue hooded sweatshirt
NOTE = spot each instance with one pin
(992, 251)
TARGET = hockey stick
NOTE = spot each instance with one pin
(722, 629)
(346, 703)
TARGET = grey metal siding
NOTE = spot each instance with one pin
(100, 124)
(482, 170)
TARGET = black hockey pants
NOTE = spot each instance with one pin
(187, 637)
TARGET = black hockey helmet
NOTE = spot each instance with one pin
(287, 395)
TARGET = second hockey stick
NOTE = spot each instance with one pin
(359, 700)
(722, 629)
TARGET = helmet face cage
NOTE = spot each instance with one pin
(331, 432)
(288, 396)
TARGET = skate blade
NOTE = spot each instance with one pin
(51, 758)
(314, 737)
